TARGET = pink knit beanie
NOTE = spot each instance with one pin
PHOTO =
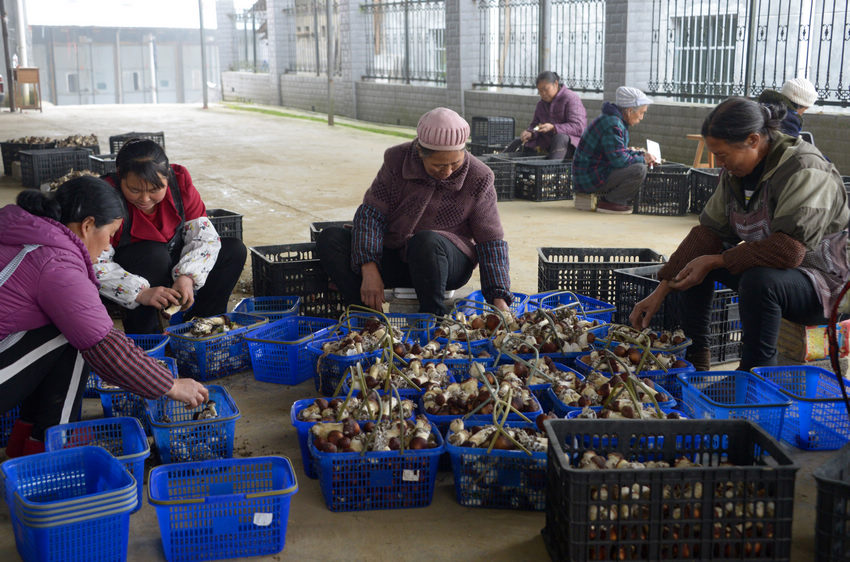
(442, 129)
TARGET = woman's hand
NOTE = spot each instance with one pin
(643, 311)
(158, 297)
(189, 391)
(525, 136)
(186, 287)
(695, 271)
(372, 288)
(501, 304)
(545, 127)
(649, 159)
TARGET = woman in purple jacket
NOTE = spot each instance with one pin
(52, 321)
(559, 120)
(429, 216)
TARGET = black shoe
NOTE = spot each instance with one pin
(613, 208)
(699, 357)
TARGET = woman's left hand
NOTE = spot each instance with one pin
(545, 127)
(695, 271)
(501, 304)
(186, 287)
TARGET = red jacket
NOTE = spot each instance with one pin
(162, 224)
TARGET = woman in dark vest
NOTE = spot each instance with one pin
(774, 230)
(167, 252)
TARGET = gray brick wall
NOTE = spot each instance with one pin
(616, 45)
(310, 93)
(248, 87)
(397, 104)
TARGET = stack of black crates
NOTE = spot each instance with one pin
(636, 283)
(42, 166)
(666, 191)
(117, 141)
(228, 224)
(703, 183)
(11, 152)
(490, 135)
(295, 269)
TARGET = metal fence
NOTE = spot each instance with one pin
(311, 36)
(406, 40)
(510, 42)
(252, 40)
(704, 50)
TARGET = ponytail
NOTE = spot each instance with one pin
(74, 201)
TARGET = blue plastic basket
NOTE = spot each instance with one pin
(214, 356)
(562, 409)
(7, 421)
(567, 358)
(817, 417)
(273, 308)
(414, 327)
(123, 437)
(331, 368)
(735, 395)
(185, 439)
(574, 414)
(410, 393)
(499, 479)
(587, 306)
(378, 480)
(91, 386)
(517, 306)
(278, 350)
(667, 378)
(225, 508)
(153, 344)
(119, 402)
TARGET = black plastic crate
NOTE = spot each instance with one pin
(117, 141)
(668, 513)
(703, 183)
(492, 130)
(588, 271)
(543, 180)
(228, 224)
(102, 164)
(10, 152)
(294, 269)
(42, 166)
(832, 526)
(635, 284)
(317, 227)
(503, 165)
(477, 149)
(665, 191)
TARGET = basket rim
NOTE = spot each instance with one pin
(458, 450)
(260, 320)
(758, 370)
(223, 393)
(279, 460)
(320, 456)
(683, 380)
(827, 472)
(127, 506)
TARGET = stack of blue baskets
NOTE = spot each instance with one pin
(70, 505)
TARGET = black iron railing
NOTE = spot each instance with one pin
(406, 41)
(252, 42)
(706, 50)
(311, 36)
(578, 43)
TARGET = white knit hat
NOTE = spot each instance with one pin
(630, 97)
(442, 129)
(800, 91)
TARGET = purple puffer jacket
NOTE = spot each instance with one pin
(565, 112)
(55, 284)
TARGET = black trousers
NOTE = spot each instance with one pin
(152, 261)
(432, 265)
(560, 148)
(43, 373)
(766, 296)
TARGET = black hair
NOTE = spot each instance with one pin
(735, 119)
(74, 201)
(424, 152)
(549, 77)
(146, 159)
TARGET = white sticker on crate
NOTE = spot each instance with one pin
(410, 475)
(263, 519)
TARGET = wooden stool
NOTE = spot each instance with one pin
(27, 76)
(698, 163)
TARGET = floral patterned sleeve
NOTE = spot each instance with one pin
(201, 245)
(116, 283)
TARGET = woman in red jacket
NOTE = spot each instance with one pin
(167, 252)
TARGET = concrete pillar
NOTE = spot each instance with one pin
(627, 45)
(225, 35)
(280, 21)
(462, 50)
(353, 47)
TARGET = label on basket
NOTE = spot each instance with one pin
(263, 519)
(410, 475)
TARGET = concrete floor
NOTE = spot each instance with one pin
(282, 174)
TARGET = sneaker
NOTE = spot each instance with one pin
(613, 208)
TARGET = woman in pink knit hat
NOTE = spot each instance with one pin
(428, 219)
